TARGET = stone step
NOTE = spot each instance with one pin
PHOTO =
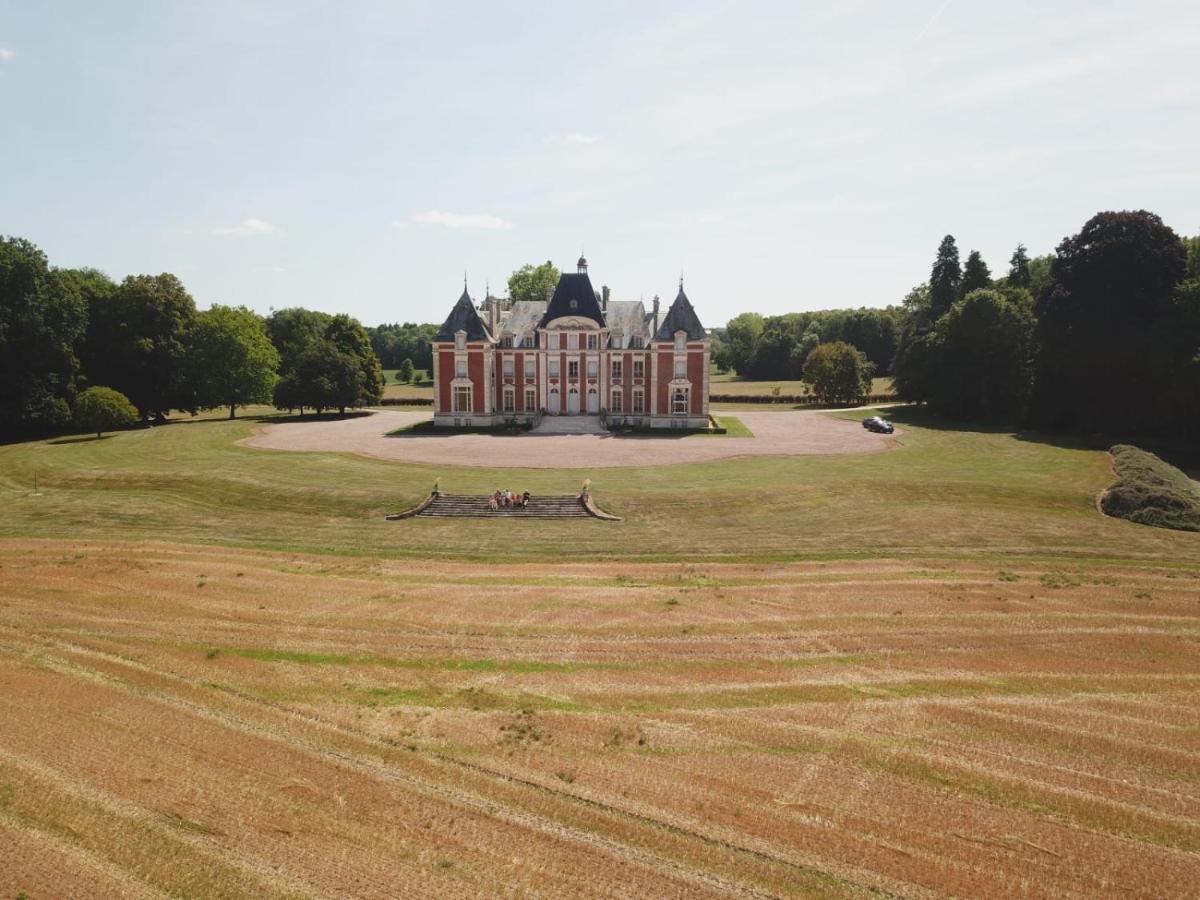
(446, 506)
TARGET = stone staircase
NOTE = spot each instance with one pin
(461, 506)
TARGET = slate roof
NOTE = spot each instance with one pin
(573, 296)
(629, 318)
(464, 317)
(681, 317)
(522, 320)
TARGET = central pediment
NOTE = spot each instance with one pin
(572, 322)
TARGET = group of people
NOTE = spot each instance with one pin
(506, 499)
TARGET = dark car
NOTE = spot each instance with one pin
(878, 425)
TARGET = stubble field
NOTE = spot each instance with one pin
(1000, 701)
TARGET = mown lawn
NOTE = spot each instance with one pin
(952, 493)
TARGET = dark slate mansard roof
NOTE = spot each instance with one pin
(681, 317)
(573, 296)
(464, 317)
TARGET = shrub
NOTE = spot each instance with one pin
(101, 409)
(1151, 492)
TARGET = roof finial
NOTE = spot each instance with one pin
(464, 281)
(681, 281)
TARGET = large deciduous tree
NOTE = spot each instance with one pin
(232, 362)
(101, 409)
(1113, 338)
(912, 365)
(348, 335)
(323, 378)
(742, 335)
(294, 330)
(982, 358)
(838, 373)
(42, 319)
(531, 282)
(137, 342)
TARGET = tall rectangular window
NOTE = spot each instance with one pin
(680, 342)
(572, 341)
(639, 368)
(530, 367)
(530, 399)
(639, 401)
(554, 368)
(679, 401)
(593, 368)
(462, 399)
(616, 368)
(593, 341)
(508, 366)
(460, 368)
(509, 399)
(572, 368)
(615, 405)
(681, 368)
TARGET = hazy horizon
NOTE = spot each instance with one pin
(360, 157)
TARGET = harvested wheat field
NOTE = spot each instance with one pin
(206, 721)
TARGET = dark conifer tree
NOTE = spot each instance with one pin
(944, 279)
(1018, 268)
(976, 275)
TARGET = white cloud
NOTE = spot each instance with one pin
(6, 54)
(460, 220)
(396, 223)
(573, 138)
(245, 228)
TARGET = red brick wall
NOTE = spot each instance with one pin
(445, 374)
(475, 373)
(666, 371)
(695, 370)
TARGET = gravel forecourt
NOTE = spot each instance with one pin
(800, 432)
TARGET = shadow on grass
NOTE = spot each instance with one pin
(80, 439)
(1179, 452)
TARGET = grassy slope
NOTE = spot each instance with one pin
(947, 492)
(731, 383)
(1150, 491)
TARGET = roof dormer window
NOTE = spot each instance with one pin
(460, 340)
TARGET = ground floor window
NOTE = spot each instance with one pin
(639, 401)
(530, 399)
(510, 399)
(616, 404)
(679, 401)
(462, 399)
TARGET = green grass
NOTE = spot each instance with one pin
(734, 427)
(732, 383)
(1152, 492)
(948, 492)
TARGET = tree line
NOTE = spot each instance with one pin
(1102, 336)
(67, 333)
(767, 348)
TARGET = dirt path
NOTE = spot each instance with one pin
(801, 432)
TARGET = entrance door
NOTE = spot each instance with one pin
(552, 403)
(593, 403)
(573, 402)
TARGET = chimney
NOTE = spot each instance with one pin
(493, 314)
(655, 330)
(604, 299)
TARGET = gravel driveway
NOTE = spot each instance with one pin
(800, 432)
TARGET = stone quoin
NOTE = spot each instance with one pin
(576, 353)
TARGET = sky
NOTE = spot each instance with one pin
(361, 157)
